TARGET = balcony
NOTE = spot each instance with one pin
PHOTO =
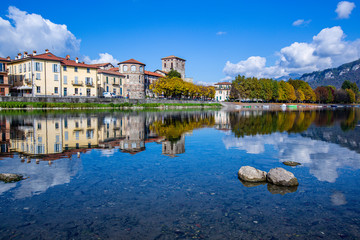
(77, 83)
(89, 84)
(115, 83)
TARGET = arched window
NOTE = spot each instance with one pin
(133, 68)
(125, 68)
(141, 68)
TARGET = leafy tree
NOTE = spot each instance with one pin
(350, 85)
(173, 74)
(341, 96)
(300, 97)
(322, 94)
(351, 95)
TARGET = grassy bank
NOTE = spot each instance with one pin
(39, 105)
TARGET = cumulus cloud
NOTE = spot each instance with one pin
(22, 31)
(327, 49)
(344, 9)
(103, 58)
(301, 22)
(221, 33)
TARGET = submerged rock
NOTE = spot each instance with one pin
(250, 174)
(10, 177)
(281, 177)
(291, 163)
(273, 189)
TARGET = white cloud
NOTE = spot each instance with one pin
(22, 31)
(344, 9)
(221, 33)
(301, 22)
(103, 58)
(327, 49)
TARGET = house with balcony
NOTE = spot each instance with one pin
(4, 81)
(110, 80)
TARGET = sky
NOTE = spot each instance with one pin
(219, 39)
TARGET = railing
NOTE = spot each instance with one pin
(77, 83)
(89, 84)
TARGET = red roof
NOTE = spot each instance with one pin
(46, 56)
(4, 59)
(133, 61)
(223, 83)
(153, 74)
(110, 72)
(172, 57)
(101, 64)
(116, 69)
(74, 64)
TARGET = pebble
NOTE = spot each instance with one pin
(255, 222)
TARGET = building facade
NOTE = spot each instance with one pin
(4, 80)
(222, 91)
(110, 81)
(150, 78)
(174, 63)
(134, 82)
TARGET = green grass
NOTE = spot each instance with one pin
(9, 105)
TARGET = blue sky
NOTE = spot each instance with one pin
(219, 39)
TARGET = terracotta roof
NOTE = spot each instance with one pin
(172, 57)
(101, 64)
(4, 59)
(110, 72)
(133, 61)
(116, 69)
(153, 74)
(223, 83)
(74, 64)
(46, 56)
(162, 71)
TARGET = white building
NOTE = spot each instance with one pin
(222, 91)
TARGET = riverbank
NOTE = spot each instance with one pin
(281, 106)
(124, 105)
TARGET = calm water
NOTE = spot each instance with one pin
(173, 175)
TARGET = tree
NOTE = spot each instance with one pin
(349, 85)
(300, 97)
(173, 74)
(305, 88)
(351, 95)
(322, 94)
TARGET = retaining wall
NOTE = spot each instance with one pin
(91, 100)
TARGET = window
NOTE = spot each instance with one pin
(88, 122)
(120, 91)
(20, 68)
(2, 67)
(66, 136)
(39, 125)
(107, 88)
(24, 67)
(65, 79)
(133, 68)
(88, 70)
(164, 65)
(56, 147)
(56, 77)
(56, 90)
(76, 80)
(77, 135)
(76, 90)
(114, 80)
(120, 81)
(89, 134)
(127, 76)
(38, 76)
(125, 68)
(56, 125)
(107, 79)
(2, 90)
(65, 68)
(141, 69)
(65, 123)
(55, 68)
(38, 89)
(76, 69)
(38, 67)
(114, 91)
(1, 79)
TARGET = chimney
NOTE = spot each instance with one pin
(46, 50)
(67, 57)
(77, 60)
(8, 58)
(19, 55)
(83, 62)
(25, 54)
(34, 53)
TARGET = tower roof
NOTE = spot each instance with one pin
(133, 61)
(172, 57)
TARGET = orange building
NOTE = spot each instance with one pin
(4, 81)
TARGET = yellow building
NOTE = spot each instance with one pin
(110, 81)
(48, 75)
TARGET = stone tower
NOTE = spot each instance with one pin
(175, 63)
(134, 82)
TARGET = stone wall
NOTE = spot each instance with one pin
(91, 100)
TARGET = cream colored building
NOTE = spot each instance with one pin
(222, 91)
(48, 75)
(110, 81)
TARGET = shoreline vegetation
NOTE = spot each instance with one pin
(49, 105)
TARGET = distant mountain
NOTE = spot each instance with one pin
(291, 75)
(334, 76)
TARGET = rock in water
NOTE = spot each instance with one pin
(273, 189)
(10, 177)
(250, 174)
(281, 177)
(291, 163)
